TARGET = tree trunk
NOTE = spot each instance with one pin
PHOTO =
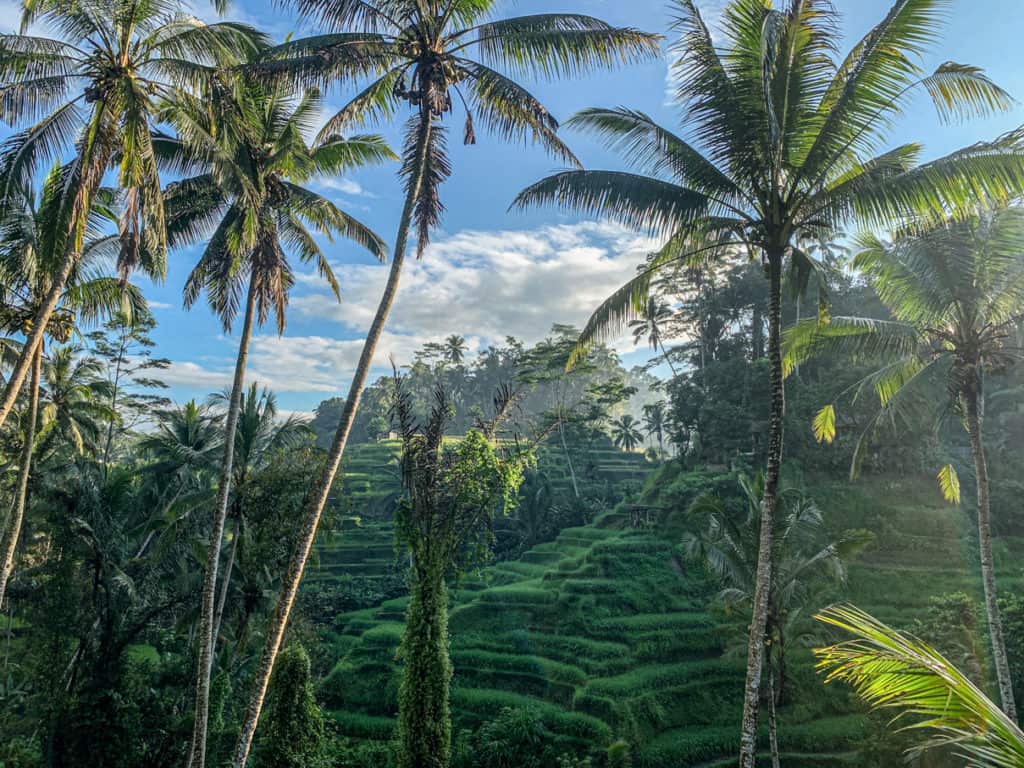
(424, 716)
(759, 619)
(94, 158)
(568, 458)
(319, 494)
(13, 527)
(197, 758)
(226, 581)
(113, 404)
(664, 353)
(988, 573)
(773, 725)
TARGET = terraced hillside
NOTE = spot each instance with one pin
(364, 545)
(606, 634)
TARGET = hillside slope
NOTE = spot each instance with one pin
(606, 634)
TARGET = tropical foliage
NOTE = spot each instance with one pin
(511, 552)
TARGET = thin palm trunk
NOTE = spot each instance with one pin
(17, 515)
(319, 495)
(773, 724)
(988, 573)
(197, 758)
(113, 406)
(225, 583)
(94, 161)
(664, 353)
(762, 586)
(568, 459)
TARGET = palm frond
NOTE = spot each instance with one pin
(554, 45)
(894, 671)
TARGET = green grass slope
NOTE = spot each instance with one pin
(607, 634)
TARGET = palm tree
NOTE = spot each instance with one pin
(31, 251)
(455, 349)
(75, 405)
(258, 436)
(648, 324)
(783, 140)
(955, 293)
(184, 449)
(892, 670)
(97, 87)
(253, 139)
(625, 433)
(655, 423)
(418, 56)
(801, 561)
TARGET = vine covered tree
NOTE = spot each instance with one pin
(452, 494)
(784, 140)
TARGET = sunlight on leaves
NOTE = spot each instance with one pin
(949, 482)
(824, 425)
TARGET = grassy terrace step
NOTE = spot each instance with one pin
(606, 634)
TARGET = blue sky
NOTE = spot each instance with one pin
(490, 272)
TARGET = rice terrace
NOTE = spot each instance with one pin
(511, 383)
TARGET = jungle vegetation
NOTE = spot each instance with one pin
(527, 553)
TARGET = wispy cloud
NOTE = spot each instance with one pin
(485, 285)
(343, 185)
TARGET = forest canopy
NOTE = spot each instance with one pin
(751, 499)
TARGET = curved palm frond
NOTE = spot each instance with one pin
(894, 671)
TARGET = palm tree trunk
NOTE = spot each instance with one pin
(17, 515)
(773, 725)
(197, 758)
(94, 158)
(568, 459)
(988, 573)
(664, 353)
(759, 619)
(226, 581)
(113, 406)
(318, 496)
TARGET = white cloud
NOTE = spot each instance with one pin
(482, 285)
(491, 284)
(159, 305)
(345, 186)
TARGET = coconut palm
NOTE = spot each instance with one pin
(455, 349)
(252, 139)
(802, 562)
(897, 672)
(626, 433)
(31, 251)
(258, 436)
(424, 56)
(648, 326)
(655, 423)
(96, 86)
(183, 448)
(784, 138)
(955, 293)
(75, 402)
